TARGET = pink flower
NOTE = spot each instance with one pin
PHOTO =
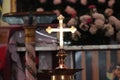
(89, 20)
(83, 27)
(73, 15)
(92, 6)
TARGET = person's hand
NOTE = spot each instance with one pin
(40, 10)
(55, 2)
(70, 10)
(57, 12)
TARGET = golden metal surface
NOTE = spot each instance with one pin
(60, 29)
(62, 77)
(29, 34)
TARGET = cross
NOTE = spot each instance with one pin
(60, 29)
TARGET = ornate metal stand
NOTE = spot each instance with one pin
(62, 72)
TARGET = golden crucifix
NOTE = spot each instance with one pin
(60, 29)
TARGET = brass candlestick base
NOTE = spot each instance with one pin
(61, 56)
(62, 77)
(61, 72)
(29, 34)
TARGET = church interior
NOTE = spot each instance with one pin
(59, 39)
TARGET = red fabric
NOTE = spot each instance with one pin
(3, 51)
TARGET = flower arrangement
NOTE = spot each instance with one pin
(95, 28)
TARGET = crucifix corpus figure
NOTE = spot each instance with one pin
(60, 29)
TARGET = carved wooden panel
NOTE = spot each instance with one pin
(4, 35)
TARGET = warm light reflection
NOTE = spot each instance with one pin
(62, 77)
(61, 66)
(53, 77)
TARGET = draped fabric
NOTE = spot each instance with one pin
(17, 39)
(19, 72)
(18, 69)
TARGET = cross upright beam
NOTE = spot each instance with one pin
(61, 30)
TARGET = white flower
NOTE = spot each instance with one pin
(99, 20)
(114, 21)
(83, 2)
(75, 34)
(111, 3)
(101, 1)
(98, 16)
(109, 30)
(55, 2)
(99, 23)
(83, 27)
(84, 18)
(109, 12)
(93, 29)
(72, 21)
